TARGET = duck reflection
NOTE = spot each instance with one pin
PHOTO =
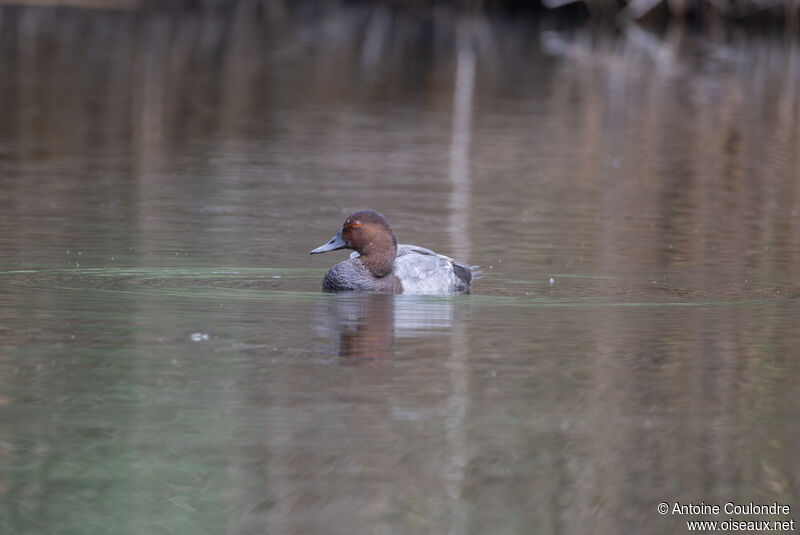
(365, 325)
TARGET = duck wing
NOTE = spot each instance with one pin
(423, 271)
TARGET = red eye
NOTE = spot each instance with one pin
(356, 224)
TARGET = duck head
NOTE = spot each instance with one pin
(368, 233)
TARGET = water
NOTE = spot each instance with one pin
(168, 363)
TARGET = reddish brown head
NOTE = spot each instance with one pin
(368, 233)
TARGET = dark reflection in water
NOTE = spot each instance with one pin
(168, 363)
(366, 325)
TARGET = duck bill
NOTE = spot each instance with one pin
(335, 244)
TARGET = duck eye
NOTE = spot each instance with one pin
(356, 224)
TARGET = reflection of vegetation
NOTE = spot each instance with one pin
(695, 10)
(698, 10)
(664, 166)
(86, 4)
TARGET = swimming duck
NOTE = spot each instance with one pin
(378, 264)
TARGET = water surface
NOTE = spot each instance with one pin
(168, 363)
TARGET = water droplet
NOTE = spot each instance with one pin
(199, 337)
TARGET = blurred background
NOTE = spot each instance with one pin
(626, 175)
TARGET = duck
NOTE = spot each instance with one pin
(379, 265)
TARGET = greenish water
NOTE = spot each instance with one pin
(168, 363)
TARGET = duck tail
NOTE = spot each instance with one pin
(476, 273)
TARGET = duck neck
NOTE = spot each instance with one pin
(378, 258)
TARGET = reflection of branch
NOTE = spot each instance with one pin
(380, 22)
(645, 40)
(681, 9)
(638, 8)
(460, 141)
(553, 4)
